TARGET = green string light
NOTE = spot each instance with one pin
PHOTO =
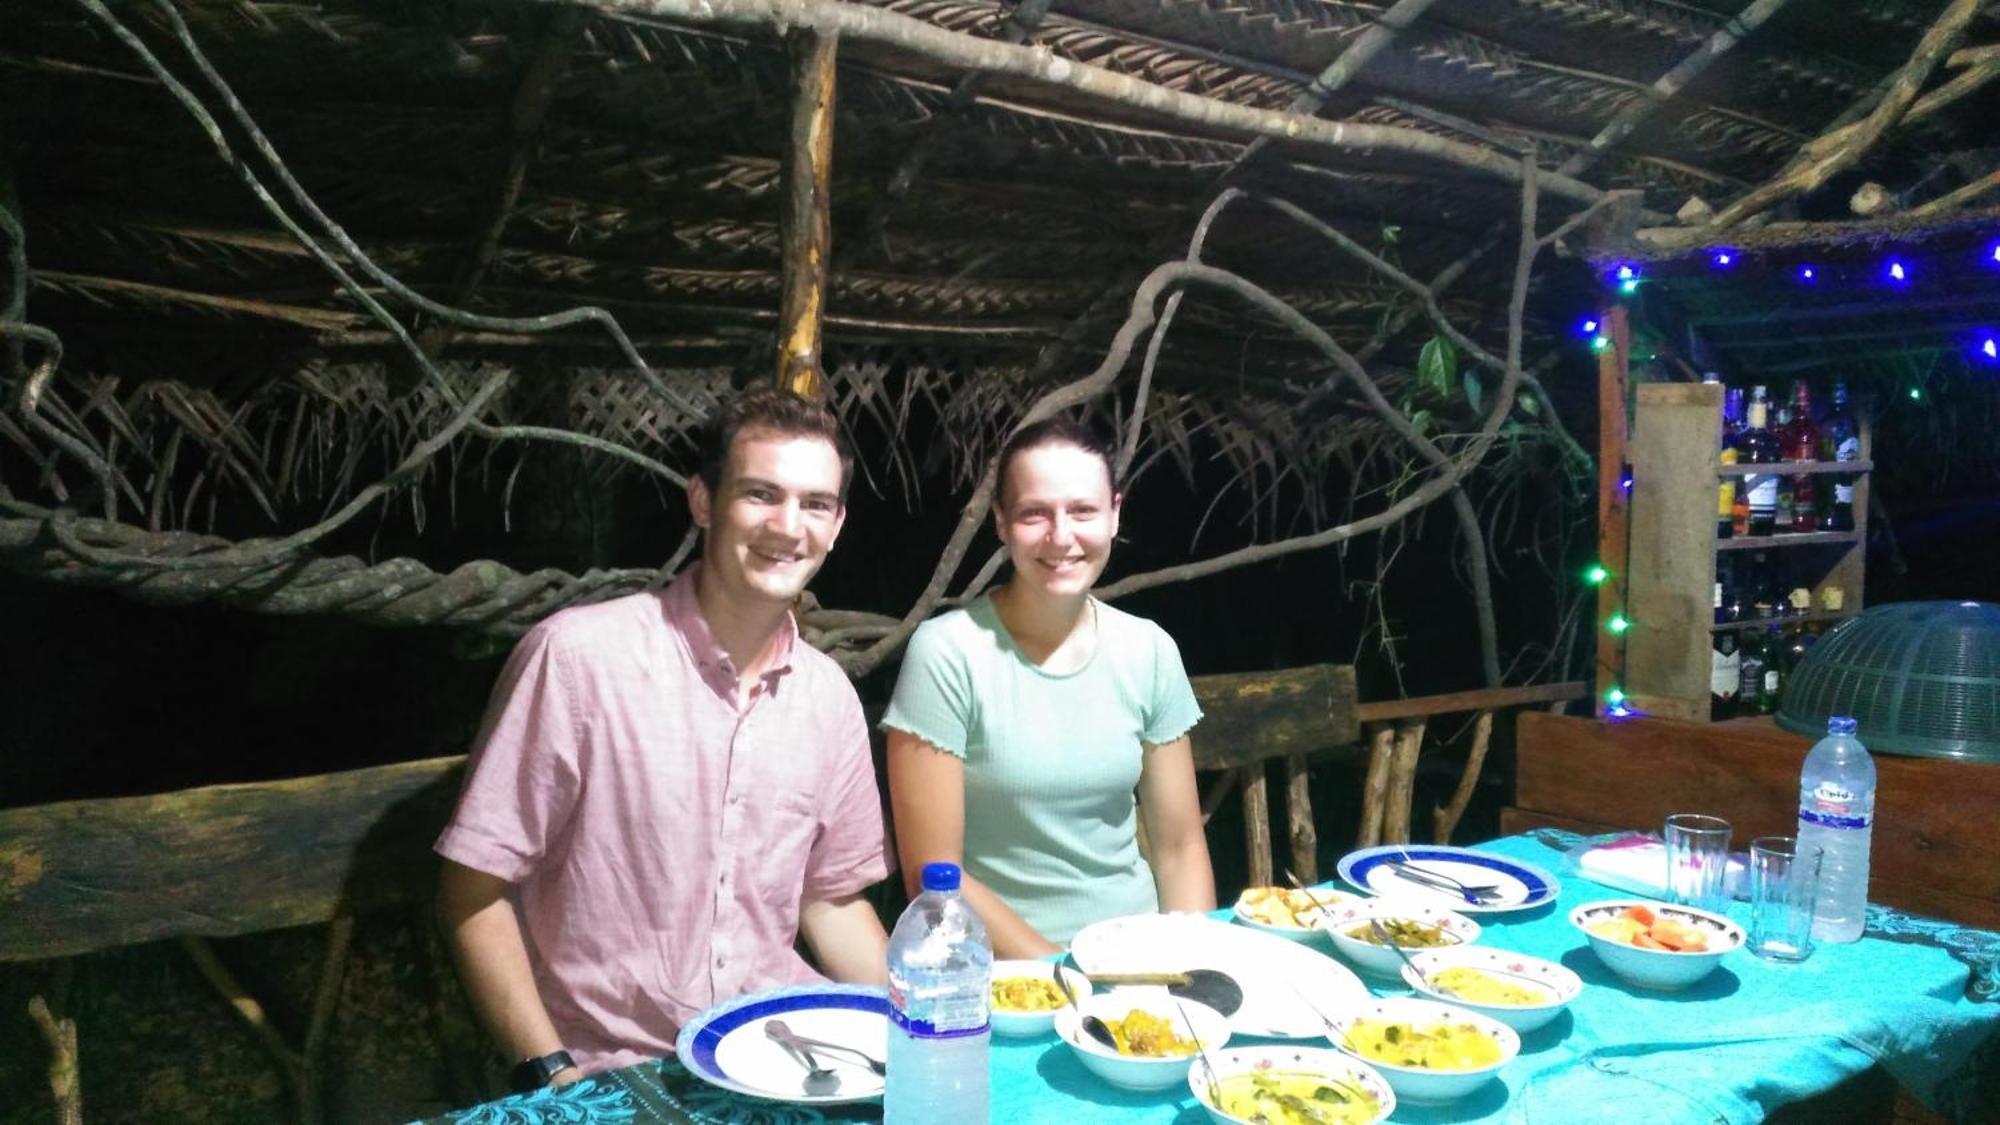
(1600, 343)
(1628, 287)
(1596, 575)
(1615, 696)
(1618, 624)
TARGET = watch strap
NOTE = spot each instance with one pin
(534, 1073)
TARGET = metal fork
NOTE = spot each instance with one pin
(859, 1055)
(819, 1081)
(1477, 895)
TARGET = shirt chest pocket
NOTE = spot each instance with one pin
(773, 840)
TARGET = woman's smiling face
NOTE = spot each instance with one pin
(1057, 516)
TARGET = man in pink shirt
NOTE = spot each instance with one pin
(670, 788)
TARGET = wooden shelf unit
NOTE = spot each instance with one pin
(1670, 570)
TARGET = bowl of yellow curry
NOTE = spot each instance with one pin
(1520, 991)
(1429, 1052)
(1290, 1086)
(1158, 1036)
(1412, 925)
(1024, 996)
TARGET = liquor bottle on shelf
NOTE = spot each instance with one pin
(1763, 583)
(1799, 441)
(1784, 515)
(1726, 597)
(1758, 446)
(1750, 660)
(1725, 524)
(1796, 647)
(1736, 489)
(1839, 440)
(1774, 677)
(1725, 675)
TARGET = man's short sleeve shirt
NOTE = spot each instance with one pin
(660, 841)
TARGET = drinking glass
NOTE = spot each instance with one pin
(1698, 861)
(1784, 889)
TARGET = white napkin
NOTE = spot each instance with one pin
(1638, 864)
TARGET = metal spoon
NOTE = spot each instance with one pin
(1210, 987)
(1389, 940)
(819, 1081)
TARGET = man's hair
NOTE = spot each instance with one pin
(1058, 429)
(768, 410)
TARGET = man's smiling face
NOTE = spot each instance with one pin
(772, 518)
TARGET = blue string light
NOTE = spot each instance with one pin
(1587, 326)
(1896, 271)
(1808, 274)
(1722, 259)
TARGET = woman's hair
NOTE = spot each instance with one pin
(768, 409)
(1060, 429)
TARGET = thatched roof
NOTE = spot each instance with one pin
(649, 188)
(992, 208)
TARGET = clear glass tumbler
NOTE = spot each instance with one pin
(1698, 861)
(1784, 890)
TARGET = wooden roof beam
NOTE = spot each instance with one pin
(530, 112)
(1094, 84)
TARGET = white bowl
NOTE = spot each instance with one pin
(1135, 1072)
(1319, 1062)
(1380, 959)
(1024, 1024)
(1300, 904)
(1561, 984)
(1420, 1085)
(1663, 970)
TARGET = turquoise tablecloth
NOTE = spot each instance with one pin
(1916, 995)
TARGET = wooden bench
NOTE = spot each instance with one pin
(223, 861)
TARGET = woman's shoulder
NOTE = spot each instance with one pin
(1129, 628)
(965, 629)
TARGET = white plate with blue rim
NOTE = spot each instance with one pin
(1516, 885)
(727, 1046)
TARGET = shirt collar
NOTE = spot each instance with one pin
(683, 611)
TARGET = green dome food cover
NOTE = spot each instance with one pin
(1921, 678)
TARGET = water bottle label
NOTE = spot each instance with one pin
(1833, 819)
(929, 1029)
(937, 1016)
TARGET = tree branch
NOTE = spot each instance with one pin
(1836, 151)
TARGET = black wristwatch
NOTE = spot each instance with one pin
(533, 1074)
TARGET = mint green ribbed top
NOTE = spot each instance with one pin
(1051, 759)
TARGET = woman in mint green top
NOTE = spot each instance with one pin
(1023, 725)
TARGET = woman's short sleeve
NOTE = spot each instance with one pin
(933, 698)
(1173, 710)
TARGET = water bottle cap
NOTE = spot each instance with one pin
(1841, 724)
(940, 876)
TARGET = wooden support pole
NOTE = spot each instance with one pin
(1445, 817)
(297, 1069)
(805, 226)
(1299, 819)
(59, 1030)
(1375, 791)
(1402, 783)
(1613, 514)
(1257, 824)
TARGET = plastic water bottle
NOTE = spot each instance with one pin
(1837, 812)
(940, 971)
